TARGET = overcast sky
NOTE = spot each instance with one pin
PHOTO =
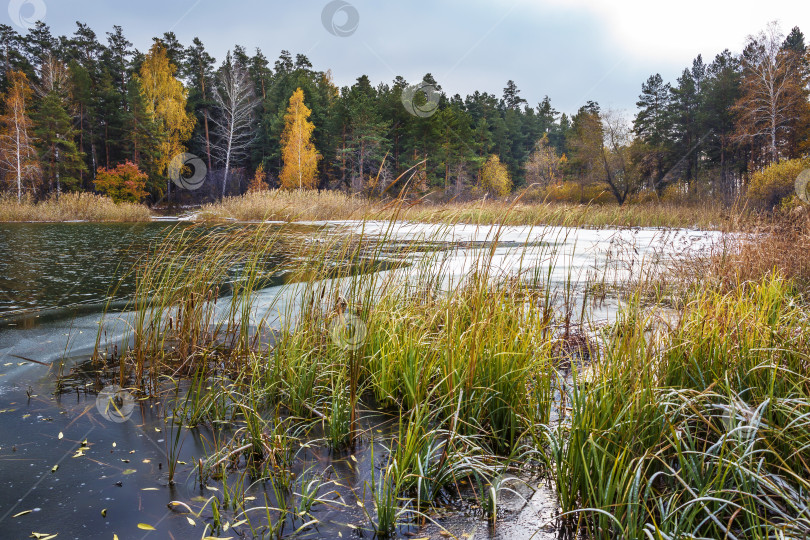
(570, 50)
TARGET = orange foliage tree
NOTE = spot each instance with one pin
(124, 183)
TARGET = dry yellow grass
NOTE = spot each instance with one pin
(282, 205)
(72, 207)
(306, 205)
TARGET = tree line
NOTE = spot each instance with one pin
(80, 113)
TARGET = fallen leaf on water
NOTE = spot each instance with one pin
(181, 462)
(42, 536)
(191, 522)
(26, 416)
(22, 513)
(172, 504)
(79, 452)
(130, 471)
(146, 527)
(103, 512)
(55, 468)
(61, 435)
(149, 489)
(353, 459)
(115, 536)
(211, 488)
(114, 445)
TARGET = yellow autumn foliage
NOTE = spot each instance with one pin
(299, 156)
(495, 178)
(165, 99)
(769, 186)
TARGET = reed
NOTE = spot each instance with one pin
(72, 207)
(690, 425)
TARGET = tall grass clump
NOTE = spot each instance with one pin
(72, 207)
(702, 433)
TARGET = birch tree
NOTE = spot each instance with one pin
(235, 100)
(774, 90)
(18, 155)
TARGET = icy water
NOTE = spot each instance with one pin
(68, 468)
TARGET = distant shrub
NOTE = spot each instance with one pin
(124, 183)
(597, 193)
(570, 192)
(495, 177)
(770, 186)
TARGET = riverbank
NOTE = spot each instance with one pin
(288, 206)
(292, 206)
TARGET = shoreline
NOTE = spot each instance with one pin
(302, 207)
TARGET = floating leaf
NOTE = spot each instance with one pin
(22, 513)
(191, 521)
(42, 536)
(103, 512)
(54, 468)
(149, 489)
(61, 435)
(129, 471)
(146, 527)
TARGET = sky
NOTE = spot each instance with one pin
(571, 50)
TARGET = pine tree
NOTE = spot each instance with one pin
(300, 169)
(60, 159)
